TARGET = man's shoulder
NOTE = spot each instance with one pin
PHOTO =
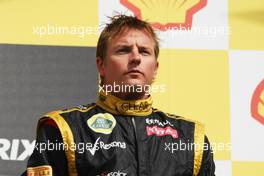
(58, 115)
(78, 108)
(175, 117)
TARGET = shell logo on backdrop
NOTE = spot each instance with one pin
(257, 103)
(172, 14)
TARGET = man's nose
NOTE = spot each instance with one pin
(135, 56)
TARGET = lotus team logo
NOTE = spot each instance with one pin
(102, 123)
(257, 103)
(165, 14)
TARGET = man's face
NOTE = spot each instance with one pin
(130, 59)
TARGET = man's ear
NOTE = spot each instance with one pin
(100, 66)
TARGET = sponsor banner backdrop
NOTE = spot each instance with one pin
(247, 105)
(35, 80)
(200, 26)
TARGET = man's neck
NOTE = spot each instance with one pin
(130, 92)
(130, 95)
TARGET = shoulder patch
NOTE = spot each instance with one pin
(81, 108)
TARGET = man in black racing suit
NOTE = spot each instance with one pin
(121, 134)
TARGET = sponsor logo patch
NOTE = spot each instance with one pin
(181, 17)
(118, 173)
(129, 106)
(158, 131)
(257, 103)
(92, 148)
(102, 123)
(45, 170)
(158, 122)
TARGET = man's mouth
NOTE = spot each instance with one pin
(134, 72)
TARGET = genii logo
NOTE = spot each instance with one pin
(102, 123)
(166, 14)
(257, 103)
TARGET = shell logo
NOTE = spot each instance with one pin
(165, 14)
(257, 103)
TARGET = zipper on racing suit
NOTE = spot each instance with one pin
(136, 143)
(135, 127)
(140, 152)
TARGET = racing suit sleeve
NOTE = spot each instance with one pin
(53, 158)
(208, 165)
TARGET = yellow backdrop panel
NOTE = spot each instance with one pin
(71, 19)
(240, 168)
(197, 88)
(246, 23)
